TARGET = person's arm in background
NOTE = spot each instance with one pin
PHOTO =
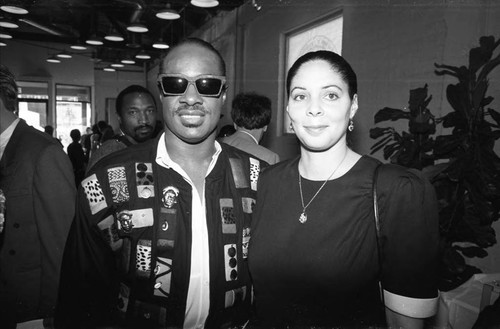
(54, 196)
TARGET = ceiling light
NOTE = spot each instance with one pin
(94, 41)
(14, 9)
(53, 59)
(205, 3)
(168, 13)
(113, 36)
(7, 23)
(143, 55)
(64, 55)
(109, 69)
(128, 61)
(137, 28)
(160, 45)
(117, 65)
(78, 46)
(5, 35)
(2, 44)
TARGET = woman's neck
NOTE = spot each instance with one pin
(320, 165)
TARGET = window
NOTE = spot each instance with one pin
(73, 110)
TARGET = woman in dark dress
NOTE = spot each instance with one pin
(313, 253)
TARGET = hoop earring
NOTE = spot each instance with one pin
(350, 127)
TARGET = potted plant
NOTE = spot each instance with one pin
(462, 165)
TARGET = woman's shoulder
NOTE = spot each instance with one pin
(395, 179)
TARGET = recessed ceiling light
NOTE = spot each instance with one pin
(160, 45)
(117, 65)
(4, 35)
(128, 61)
(7, 23)
(78, 46)
(168, 13)
(114, 37)
(3, 44)
(109, 69)
(53, 59)
(14, 10)
(205, 3)
(94, 41)
(143, 55)
(137, 28)
(64, 55)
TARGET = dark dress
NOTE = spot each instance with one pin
(325, 271)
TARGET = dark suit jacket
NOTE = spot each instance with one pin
(37, 179)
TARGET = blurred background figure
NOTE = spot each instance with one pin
(136, 111)
(50, 130)
(86, 144)
(38, 191)
(251, 113)
(77, 156)
(105, 130)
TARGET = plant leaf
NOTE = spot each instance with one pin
(387, 113)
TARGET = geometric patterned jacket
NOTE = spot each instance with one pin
(127, 259)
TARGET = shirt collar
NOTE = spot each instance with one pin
(246, 132)
(164, 160)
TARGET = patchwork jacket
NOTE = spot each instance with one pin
(127, 259)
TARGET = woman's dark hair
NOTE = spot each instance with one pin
(337, 63)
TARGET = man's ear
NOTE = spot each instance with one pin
(224, 96)
(119, 118)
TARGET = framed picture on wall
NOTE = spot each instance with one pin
(323, 33)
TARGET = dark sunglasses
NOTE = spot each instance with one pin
(177, 84)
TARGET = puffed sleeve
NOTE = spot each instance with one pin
(89, 287)
(409, 241)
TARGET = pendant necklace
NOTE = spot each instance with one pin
(303, 215)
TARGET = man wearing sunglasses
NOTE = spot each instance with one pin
(161, 233)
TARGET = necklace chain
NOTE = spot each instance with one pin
(303, 215)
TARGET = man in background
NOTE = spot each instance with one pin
(251, 114)
(37, 188)
(160, 239)
(136, 111)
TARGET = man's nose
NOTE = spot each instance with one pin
(191, 96)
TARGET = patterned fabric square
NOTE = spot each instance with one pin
(137, 218)
(94, 194)
(231, 262)
(244, 242)
(254, 173)
(235, 296)
(163, 276)
(143, 258)
(118, 184)
(227, 216)
(144, 180)
(248, 205)
(240, 178)
(109, 231)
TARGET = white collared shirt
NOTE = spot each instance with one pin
(198, 298)
(6, 135)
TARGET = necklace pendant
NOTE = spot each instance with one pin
(303, 218)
